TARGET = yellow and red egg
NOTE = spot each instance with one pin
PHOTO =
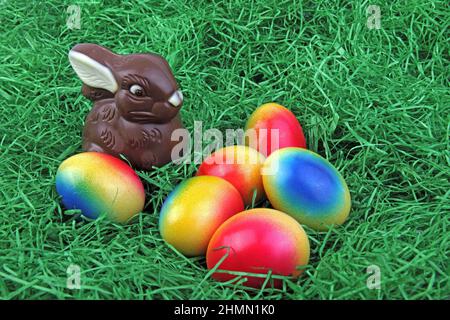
(194, 210)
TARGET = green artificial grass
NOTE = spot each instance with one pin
(375, 103)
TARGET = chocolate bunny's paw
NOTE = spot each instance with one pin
(145, 138)
(148, 160)
(92, 147)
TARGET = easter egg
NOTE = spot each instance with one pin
(307, 187)
(239, 165)
(194, 210)
(97, 183)
(271, 127)
(258, 241)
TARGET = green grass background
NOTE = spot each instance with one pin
(373, 102)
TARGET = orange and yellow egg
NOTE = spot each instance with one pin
(239, 165)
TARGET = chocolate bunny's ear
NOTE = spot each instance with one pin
(92, 72)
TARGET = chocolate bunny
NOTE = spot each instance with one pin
(136, 104)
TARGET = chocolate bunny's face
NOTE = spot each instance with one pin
(143, 85)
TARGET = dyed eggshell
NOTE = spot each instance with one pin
(97, 183)
(194, 210)
(239, 165)
(271, 116)
(257, 241)
(307, 187)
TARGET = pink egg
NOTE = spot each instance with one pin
(258, 241)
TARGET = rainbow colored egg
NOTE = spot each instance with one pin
(271, 127)
(239, 165)
(194, 210)
(97, 183)
(307, 187)
(258, 241)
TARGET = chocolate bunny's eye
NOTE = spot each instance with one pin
(137, 90)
